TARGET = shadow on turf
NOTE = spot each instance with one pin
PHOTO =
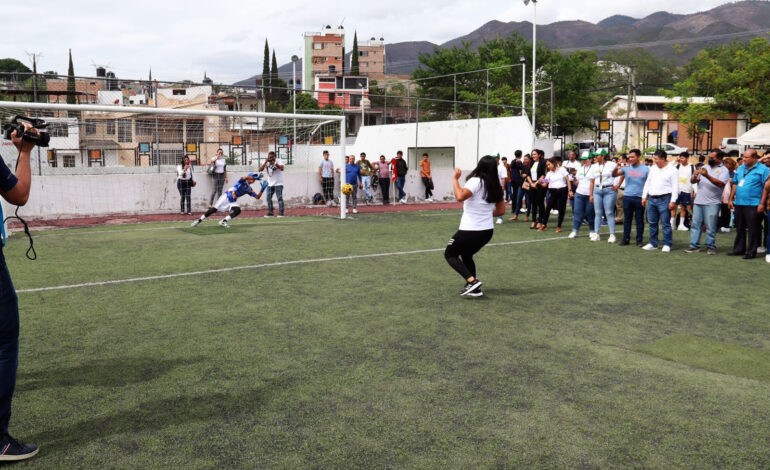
(156, 414)
(117, 372)
(213, 230)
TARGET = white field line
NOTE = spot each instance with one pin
(266, 265)
(170, 227)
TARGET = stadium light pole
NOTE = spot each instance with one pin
(294, 60)
(534, 65)
(523, 63)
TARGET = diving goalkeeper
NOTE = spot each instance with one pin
(228, 201)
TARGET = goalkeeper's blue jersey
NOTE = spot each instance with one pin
(240, 188)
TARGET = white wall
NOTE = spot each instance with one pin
(494, 135)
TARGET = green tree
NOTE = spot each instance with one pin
(573, 77)
(274, 70)
(354, 69)
(13, 70)
(266, 66)
(71, 82)
(305, 102)
(737, 76)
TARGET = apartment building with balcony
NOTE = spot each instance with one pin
(371, 58)
(323, 53)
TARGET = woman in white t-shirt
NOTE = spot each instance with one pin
(218, 175)
(185, 180)
(584, 208)
(603, 194)
(558, 181)
(482, 198)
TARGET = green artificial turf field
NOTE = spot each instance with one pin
(580, 355)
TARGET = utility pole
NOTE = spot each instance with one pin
(629, 103)
(487, 84)
(454, 76)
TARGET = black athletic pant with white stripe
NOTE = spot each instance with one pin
(461, 248)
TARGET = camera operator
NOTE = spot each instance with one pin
(274, 168)
(15, 190)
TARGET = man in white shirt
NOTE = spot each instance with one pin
(274, 168)
(658, 196)
(684, 198)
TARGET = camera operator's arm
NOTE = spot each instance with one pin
(279, 165)
(264, 164)
(18, 194)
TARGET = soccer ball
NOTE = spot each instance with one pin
(347, 188)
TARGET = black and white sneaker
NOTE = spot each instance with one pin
(476, 293)
(195, 224)
(12, 450)
(470, 287)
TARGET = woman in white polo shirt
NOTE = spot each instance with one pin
(558, 181)
(482, 198)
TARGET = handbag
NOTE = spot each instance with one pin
(430, 184)
(210, 169)
(525, 186)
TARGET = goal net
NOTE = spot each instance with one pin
(121, 161)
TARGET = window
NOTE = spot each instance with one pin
(327, 80)
(109, 127)
(363, 53)
(90, 128)
(317, 60)
(331, 97)
(168, 156)
(318, 46)
(332, 69)
(355, 100)
(179, 91)
(195, 131)
(170, 131)
(58, 129)
(68, 161)
(145, 128)
(52, 158)
(125, 132)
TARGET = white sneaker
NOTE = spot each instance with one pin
(595, 237)
(224, 223)
(683, 228)
(649, 247)
(767, 258)
(554, 212)
(195, 224)
(666, 249)
(611, 239)
(522, 210)
(673, 221)
(761, 250)
(430, 199)
(572, 234)
(499, 221)
(403, 201)
(355, 211)
(725, 229)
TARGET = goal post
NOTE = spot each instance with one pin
(143, 139)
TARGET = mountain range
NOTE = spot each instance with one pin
(743, 19)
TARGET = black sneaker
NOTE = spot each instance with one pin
(476, 292)
(692, 250)
(625, 241)
(470, 287)
(640, 243)
(12, 450)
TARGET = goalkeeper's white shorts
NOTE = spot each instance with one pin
(224, 205)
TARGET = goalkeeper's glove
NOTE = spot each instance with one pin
(264, 185)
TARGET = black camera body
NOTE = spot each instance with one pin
(41, 139)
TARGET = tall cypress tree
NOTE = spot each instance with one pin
(274, 70)
(266, 66)
(354, 70)
(71, 82)
(343, 60)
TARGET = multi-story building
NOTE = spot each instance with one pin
(371, 58)
(323, 53)
(86, 90)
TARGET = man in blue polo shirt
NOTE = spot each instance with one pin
(635, 175)
(14, 189)
(748, 185)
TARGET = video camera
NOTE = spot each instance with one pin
(16, 124)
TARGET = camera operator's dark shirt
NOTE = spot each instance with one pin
(7, 179)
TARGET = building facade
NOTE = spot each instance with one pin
(323, 53)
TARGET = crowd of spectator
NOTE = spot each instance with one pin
(712, 196)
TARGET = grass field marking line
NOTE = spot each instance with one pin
(266, 265)
(172, 227)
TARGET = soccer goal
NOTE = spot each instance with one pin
(105, 160)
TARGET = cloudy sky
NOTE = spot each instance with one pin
(182, 39)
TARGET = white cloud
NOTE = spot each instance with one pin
(181, 39)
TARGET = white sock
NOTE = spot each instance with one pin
(228, 218)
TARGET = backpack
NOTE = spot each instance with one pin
(318, 199)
